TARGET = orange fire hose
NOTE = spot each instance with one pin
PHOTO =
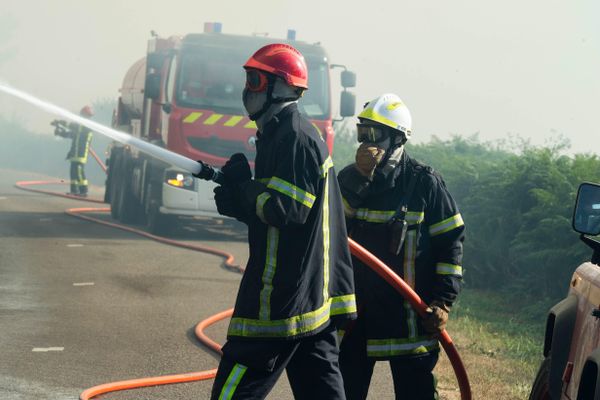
(357, 250)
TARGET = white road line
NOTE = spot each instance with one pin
(75, 245)
(83, 284)
(45, 349)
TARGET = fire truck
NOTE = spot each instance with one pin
(571, 366)
(185, 95)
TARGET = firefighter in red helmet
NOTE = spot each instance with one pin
(298, 283)
(81, 138)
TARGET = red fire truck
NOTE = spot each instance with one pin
(185, 95)
(571, 368)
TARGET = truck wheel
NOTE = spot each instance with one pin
(157, 223)
(129, 209)
(541, 386)
(115, 186)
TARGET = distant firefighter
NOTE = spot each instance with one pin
(81, 138)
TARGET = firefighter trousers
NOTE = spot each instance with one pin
(250, 369)
(79, 184)
(413, 377)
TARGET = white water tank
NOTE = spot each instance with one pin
(132, 90)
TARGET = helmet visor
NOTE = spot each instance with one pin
(371, 133)
(256, 81)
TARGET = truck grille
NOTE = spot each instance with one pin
(221, 148)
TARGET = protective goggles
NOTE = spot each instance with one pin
(371, 133)
(256, 81)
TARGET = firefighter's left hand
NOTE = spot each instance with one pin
(437, 317)
(237, 169)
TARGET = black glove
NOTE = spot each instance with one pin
(249, 191)
(227, 199)
(237, 170)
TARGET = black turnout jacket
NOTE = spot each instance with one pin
(299, 273)
(429, 261)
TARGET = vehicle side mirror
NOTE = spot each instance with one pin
(347, 104)
(154, 61)
(586, 216)
(348, 79)
(152, 88)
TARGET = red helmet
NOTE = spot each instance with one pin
(87, 111)
(282, 60)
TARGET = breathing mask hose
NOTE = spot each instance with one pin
(419, 305)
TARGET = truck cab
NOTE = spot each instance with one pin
(571, 366)
(185, 95)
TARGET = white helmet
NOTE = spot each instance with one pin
(389, 110)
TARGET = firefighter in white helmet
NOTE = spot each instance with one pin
(400, 210)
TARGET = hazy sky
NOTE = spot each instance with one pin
(521, 67)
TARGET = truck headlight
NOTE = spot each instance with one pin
(180, 180)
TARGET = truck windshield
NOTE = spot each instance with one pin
(214, 79)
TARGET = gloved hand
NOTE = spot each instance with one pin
(437, 317)
(367, 158)
(237, 169)
(227, 198)
(249, 191)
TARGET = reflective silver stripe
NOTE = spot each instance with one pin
(260, 204)
(448, 269)
(269, 273)
(381, 216)
(446, 225)
(410, 254)
(374, 215)
(343, 304)
(232, 382)
(301, 196)
(326, 239)
(390, 347)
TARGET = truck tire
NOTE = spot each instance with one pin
(541, 386)
(128, 208)
(117, 175)
(157, 223)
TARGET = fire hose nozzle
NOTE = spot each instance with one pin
(210, 173)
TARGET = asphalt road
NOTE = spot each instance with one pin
(83, 304)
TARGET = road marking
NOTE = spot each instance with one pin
(83, 284)
(75, 245)
(46, 349)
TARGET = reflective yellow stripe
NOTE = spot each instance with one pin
(343, 304)
(233, 121)
(326, 166)
(232, 382)
(260, 203)
(250, 125)
(326, 240)
(192, 117)
(269, 273)
(369, 113)
(448, 269)
(348, 210)
(292, 326)
(446, 225)
(410, 254)
(301, 196)
(213, 119)
(394, 347)
(381, 216)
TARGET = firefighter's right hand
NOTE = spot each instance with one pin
(367, 158)
(237, 169)
(437, 317)
(227, 201)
